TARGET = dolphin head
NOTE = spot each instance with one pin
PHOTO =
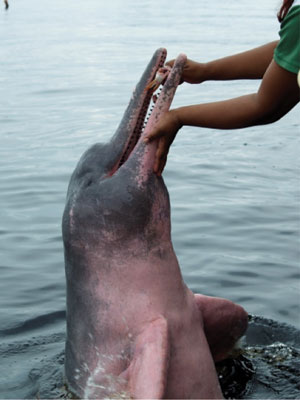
(113, 195)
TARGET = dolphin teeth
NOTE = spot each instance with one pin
(141, 122)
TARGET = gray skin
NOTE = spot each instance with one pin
(134, 329)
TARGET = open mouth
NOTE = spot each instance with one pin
(144, 112)
(141, 111)
(145, 108)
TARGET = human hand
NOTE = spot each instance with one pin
(193, 71)
(165, 132)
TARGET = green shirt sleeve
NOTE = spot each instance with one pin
(287, 52)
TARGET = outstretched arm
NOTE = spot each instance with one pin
(278, 93)
(251, 64)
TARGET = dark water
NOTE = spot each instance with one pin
(67, 73)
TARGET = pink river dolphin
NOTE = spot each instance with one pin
(134, 329)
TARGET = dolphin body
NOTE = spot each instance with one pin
(134, 329)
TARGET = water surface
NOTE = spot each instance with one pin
(67, 72)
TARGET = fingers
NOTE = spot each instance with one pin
(165, 132)
(170, 63)
(156, 134)
(161, 152)
(160, 157)
(158, 170)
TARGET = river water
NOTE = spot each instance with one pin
(67, 72)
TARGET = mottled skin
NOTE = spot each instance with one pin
(134, 329)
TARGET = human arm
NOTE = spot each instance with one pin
(251, 64)
(278, 93)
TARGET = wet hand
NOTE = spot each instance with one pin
(165, 132)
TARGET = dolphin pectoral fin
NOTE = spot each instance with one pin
(224, 323)
(148, 369)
